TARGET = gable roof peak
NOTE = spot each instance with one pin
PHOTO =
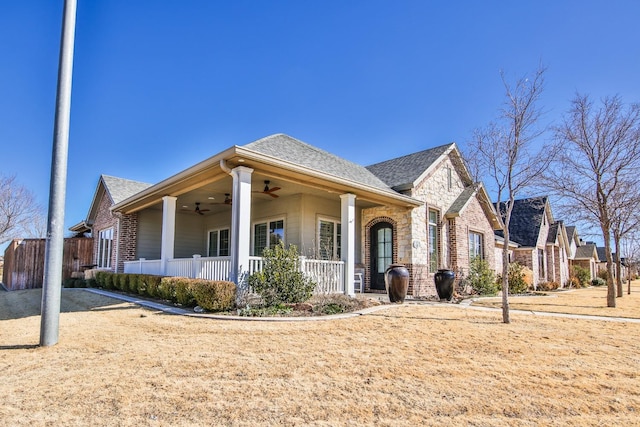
(402, 172)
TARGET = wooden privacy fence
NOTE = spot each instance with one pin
(24, 261)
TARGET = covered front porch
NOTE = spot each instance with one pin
(328, 275)
(214, 219)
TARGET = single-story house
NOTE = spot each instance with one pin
(542, 243)
(215, 218)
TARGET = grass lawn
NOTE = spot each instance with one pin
(411, 364)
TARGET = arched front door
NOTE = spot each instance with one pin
(381, 239)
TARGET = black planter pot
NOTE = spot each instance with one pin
(396, 279)
(444, 284)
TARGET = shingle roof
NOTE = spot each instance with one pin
(526, 219)
(585, 251)
(462, 200)
(120, 189)
(403, 171)
(286, 148)
(553, 232)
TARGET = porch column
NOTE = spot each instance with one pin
(240, 223)
(168, 230)
(348, 240)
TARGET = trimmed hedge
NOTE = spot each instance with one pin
(208, 294)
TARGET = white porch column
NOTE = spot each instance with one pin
(348, 240)
(168, 230)
(240, 223)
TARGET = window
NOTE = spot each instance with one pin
(541, 273)
(433, 241)
(475, 245)
(266, 235)
(218, 243)
(385, 248)
(449, 178)
(105, 248)
(329, 236)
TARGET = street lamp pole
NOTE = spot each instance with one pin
(52, 284)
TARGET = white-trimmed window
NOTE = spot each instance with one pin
(476, 244)
(218, 242)
(267, 234)
(105, 247)
(329, 236)
(434, 254)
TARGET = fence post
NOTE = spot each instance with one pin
(196, 264)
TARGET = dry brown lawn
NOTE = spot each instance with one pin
(590, 301)
(415, 364)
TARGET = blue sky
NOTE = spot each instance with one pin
(161, 85)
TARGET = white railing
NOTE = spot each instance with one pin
(329, 275)
(143, 266)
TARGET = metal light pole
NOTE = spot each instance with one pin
(51, 288)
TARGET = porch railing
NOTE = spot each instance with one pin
(329, 275)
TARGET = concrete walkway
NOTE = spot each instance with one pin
(465, 304)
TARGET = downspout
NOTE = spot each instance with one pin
(224, 167)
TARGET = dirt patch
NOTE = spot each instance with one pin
(412, 364)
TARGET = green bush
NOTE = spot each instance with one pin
(581, 274)
(214, 295)
(91, 283)
(151, 284)
(598, 281)
(516, 278)
(167, 289)
(481, 278)
(281, 280)
(184, 295)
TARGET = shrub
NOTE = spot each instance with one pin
(91, 283)
(548, 286)
(166, 289)
(581, 274)
(214, 295)
(598, 281)
(184, 295)
(281, 280)
(603, 274)
(151, 284)
(517, 278)
(481, 278)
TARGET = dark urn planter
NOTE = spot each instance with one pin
(396, 280)
(444, 284)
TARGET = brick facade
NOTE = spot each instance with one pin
(125, 229)
(439, 190)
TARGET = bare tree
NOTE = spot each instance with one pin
(600, 153)
(18, 209)
(625, 221)
(631, 250)
(504, 153)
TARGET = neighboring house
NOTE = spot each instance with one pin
(586, 256)
(542, 247)
(602, 262)
(574, 242)
(215, 218)
(558, 254)
(499, 242)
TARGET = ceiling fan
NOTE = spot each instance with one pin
(198, 210)
(269, 191)
(226, 201)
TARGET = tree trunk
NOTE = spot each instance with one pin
(505, 280)
(611, 289)
(620, 290)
